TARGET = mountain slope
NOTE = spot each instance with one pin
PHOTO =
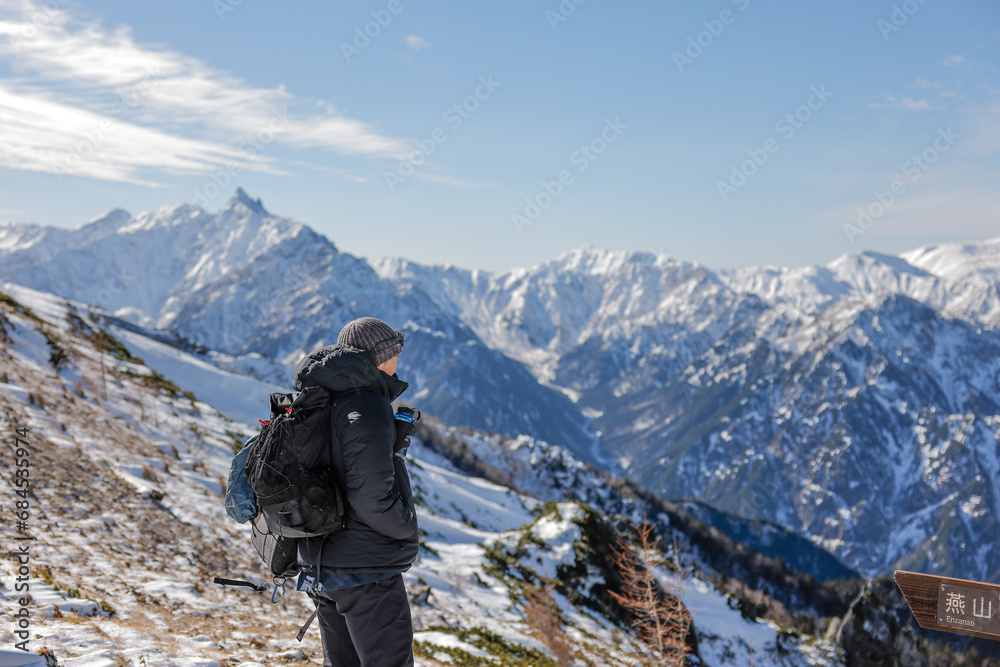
(872, 442)
(245, 282)
(853, 403)
(778, 394)
(126, 508)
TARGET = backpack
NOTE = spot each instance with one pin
(241, 504)
(290, 467)
(283, 479)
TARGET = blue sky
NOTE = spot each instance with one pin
(495, 135)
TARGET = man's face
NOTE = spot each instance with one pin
(389, 366)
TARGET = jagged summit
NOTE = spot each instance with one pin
(144, 266)
(240, 198)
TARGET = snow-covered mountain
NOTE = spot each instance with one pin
(243, 281)
(854, 403)
(126, 508)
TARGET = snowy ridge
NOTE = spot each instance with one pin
(128, 510)
(540, 315)
(774, 393)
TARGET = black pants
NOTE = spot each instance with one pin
(367, 625)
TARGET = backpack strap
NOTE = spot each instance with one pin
(239, 582)
(302, 630)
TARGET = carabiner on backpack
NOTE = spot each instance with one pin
(279, 584)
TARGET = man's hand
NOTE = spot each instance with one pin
(405, 426)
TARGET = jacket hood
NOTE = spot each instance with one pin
(340, 368)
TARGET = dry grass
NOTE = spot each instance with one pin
(143, 541)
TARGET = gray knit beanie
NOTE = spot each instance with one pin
(374, 337)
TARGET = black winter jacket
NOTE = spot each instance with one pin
(380, 534)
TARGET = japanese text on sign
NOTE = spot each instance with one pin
(969, 608)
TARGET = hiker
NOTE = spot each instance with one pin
(354, 576)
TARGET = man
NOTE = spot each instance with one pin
(354, 576)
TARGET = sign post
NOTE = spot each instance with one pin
(952, 605)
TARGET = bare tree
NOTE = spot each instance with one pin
(660, 619)
(542, 613)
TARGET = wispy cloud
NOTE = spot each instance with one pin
(339, 173)
(927, 84)
(905, 103)
(914, 105)
(451, 181)
(416, 42)
(190, 119)
(941, 90)
(40, 134)
(955, 60)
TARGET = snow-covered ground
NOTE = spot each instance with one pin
(128, 478)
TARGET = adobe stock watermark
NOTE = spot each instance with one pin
(363, 35)
(223, 7)
(786, 126)
(45, 16)
(915, 167)
(454, 117)
(562, 13)
(121, 110)
(251, 145)
(901, 13)
(20, 510)
(714, 28)
(581, 158)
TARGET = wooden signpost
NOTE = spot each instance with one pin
(952, 605)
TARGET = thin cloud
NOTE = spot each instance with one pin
(451, 181)
(416, 42)
(100, 72)
(953, 61)
(905, 103)
(914, 105)
(339, 173)
(40, 134)
(941, 90)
